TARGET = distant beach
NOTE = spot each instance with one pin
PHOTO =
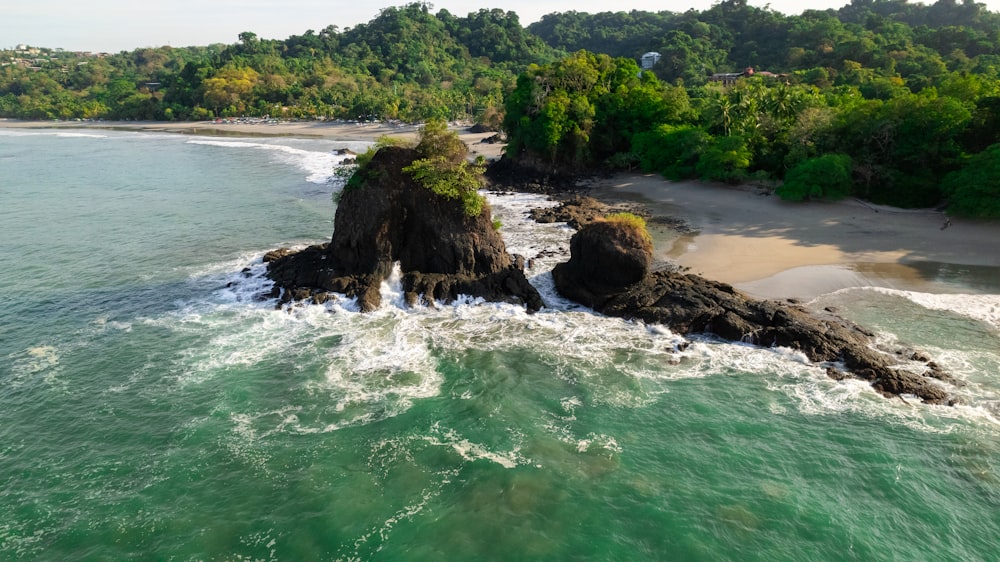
(340, 130)
(742, 236)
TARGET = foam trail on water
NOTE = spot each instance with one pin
(319, 165)
(985, 308)
(80, 136)
(542, 245)
(59, 134)
(378, 364)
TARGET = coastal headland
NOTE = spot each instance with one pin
(739, 235)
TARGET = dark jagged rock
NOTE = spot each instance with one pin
(509, 285)
(580, 210)
(608, 256)
(389, 218)
(606, 273)
(530, 175)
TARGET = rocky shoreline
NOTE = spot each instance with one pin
(444, 254)
(609, 270)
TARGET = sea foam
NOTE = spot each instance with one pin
(985, 308)
(320, 166)
(52, 133)
(385, 360)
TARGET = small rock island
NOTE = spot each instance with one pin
(419, 207)
(610, 271)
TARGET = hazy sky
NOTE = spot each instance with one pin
(116, 25)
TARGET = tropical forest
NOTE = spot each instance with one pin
(890, 101)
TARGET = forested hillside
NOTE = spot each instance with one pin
(893, 102)
(407, 63)
(890, 38)
(884, 99)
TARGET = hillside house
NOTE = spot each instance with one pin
(730, 78)
(649, 59)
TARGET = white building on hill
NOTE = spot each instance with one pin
(649, 59)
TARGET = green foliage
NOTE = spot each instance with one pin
(358, 172)
(634, 221)
(974, 190)
(550, 113)
(444, 168)
(627, 161)
(454, 181)
(619, 34)
(901, 148)
(672, 151)
(386, 140)
(627, 218)
(726, 159)
(825, 177)
(586, 108)
(436, 141)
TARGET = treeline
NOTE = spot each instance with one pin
(407, 63)
(893, 102)
(887, 100)
(895, 146)
(893, 38)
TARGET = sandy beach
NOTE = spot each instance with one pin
(776, 249)
(339, 130)
(764, 246)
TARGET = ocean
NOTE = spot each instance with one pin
(152, 407)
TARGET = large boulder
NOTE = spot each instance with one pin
(689, 304)
(605, 258)
(389, 218)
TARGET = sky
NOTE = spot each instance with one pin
(124, 25)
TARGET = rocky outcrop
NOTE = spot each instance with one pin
(388, 218)
(608, 272)
(579, 210)
(532, 175)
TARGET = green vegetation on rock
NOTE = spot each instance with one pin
(445, 170)
(634, 222)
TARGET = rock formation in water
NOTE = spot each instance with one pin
(443, 252)
(609, 271)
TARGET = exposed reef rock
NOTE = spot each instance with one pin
(531, 175)
(609, 271)
(579, 210)
(389, 218)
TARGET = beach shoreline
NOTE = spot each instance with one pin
(331, 130)
(743, 236)
(771, 248)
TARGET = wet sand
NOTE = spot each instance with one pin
(771, 248)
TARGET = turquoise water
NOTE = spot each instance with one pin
(151, 408)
